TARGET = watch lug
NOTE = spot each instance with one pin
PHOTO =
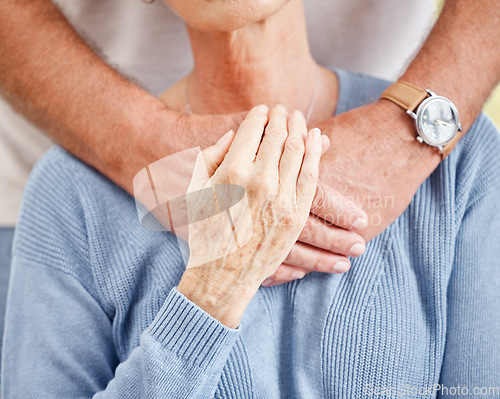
(431, 93)
(412, 114)
(459, 127)
(441, 150)
(420, 139)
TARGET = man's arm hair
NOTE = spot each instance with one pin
(461, 57)
(375, 151)
(51, 76)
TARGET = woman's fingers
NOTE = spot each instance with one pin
(293, 153)
(308, 176)
(247, 139)
(209, 160)
(325, 144)
(214, 155)
(276, 133)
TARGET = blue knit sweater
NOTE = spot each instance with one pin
(93, 309)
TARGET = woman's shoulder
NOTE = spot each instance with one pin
(77, 221)
(59, 164)
(65, 205)
(63, 186)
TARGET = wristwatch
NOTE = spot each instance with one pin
(435, 116)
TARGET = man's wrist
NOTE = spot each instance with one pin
(405, 133)
(142, 137)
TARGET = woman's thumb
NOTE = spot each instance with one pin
(214, 155)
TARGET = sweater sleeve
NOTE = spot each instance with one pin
(472, 352)
(59, 344)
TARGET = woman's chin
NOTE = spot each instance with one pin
(224, 15)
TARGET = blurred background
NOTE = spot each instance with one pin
(492, 107)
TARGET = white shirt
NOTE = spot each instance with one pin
(149, 43)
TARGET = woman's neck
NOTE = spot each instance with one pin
(267, 62)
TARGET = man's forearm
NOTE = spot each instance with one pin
(461, 57)
(52, 77)
(376, 158)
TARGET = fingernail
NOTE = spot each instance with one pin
(357, 250)
(226, 137)
(298, 114)
(298, 275)
(263, 108)
(268, 281)
(360, 224)
(316, 135)
(341, 267)
(281, 108)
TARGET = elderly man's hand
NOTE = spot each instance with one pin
(362, 188)
(370, 161)
(325, 243)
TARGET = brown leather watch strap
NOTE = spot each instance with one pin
(451, 145)
(409, 97)
(405, 95)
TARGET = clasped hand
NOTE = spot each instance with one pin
(276, 161)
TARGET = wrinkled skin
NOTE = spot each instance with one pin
(280, 184)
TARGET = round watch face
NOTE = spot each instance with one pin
(437, 121)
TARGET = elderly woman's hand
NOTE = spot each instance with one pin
(278, 173)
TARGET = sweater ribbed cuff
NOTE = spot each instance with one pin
(190, 332)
